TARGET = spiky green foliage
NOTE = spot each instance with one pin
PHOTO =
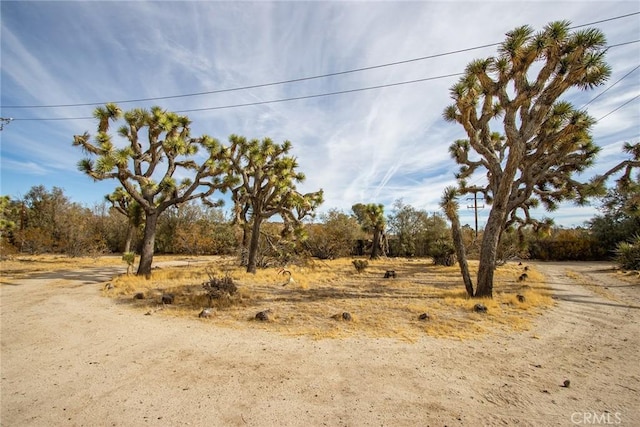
(543, 141)
(628, 254)
(372, 220)
(266, 179)
(154, 146)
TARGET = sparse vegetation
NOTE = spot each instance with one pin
(129, 258)
(628, 254)
(360, 265)
(377, 307)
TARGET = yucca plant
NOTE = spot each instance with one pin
(628, 254)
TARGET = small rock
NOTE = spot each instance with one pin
(346, 316)
(138, 295)
(108, 286)
(424, 316)
(521, 298)
(264, 316)
(390, 274)
(168, 298)
(566, 383)
(206, 313)
(480, 308)
(523, 277)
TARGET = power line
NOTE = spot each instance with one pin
(355, 70)
(273, 101)
(619, 107)
(318, 95)
(610, 87)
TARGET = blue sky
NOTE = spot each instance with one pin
(368, 146)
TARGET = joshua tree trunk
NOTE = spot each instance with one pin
(377, 235)
(146, 257)
(244, 248)
(458, 243)
(253, 245)
(130, 232)
(491, 237)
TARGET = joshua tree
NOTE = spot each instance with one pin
(266, 180)
(371, 219)
(450, 206)
(544, 140)
(158, 143)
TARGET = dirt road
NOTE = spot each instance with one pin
(72, 357)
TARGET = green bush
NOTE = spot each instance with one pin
(628, 254)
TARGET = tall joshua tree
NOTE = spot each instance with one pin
(266, 178)
(158, 144)
(543, 140)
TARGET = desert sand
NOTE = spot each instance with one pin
(70, 356)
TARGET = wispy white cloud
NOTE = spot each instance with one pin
(24, 167)
(378, 145)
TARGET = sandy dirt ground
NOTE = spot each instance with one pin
(70, 356)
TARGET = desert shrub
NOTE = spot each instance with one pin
(628, 254)
(360, 264)
(567, 245)
(129, 258)
(333, 237)
(220, 287)
(444, 253)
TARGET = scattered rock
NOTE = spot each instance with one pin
(521, 298)
(342, 316)
(390, 274)
(523, 277)
(424, 316)
(138, 295)
(206, 313)
(264, 316)
(168, 298)
(526, 268)
(108, 286)
(566, 383)
(480, 308)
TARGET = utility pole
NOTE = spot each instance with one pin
(475, 207)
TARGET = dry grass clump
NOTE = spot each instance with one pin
(311, 303)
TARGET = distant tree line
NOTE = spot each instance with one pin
(47, 221)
